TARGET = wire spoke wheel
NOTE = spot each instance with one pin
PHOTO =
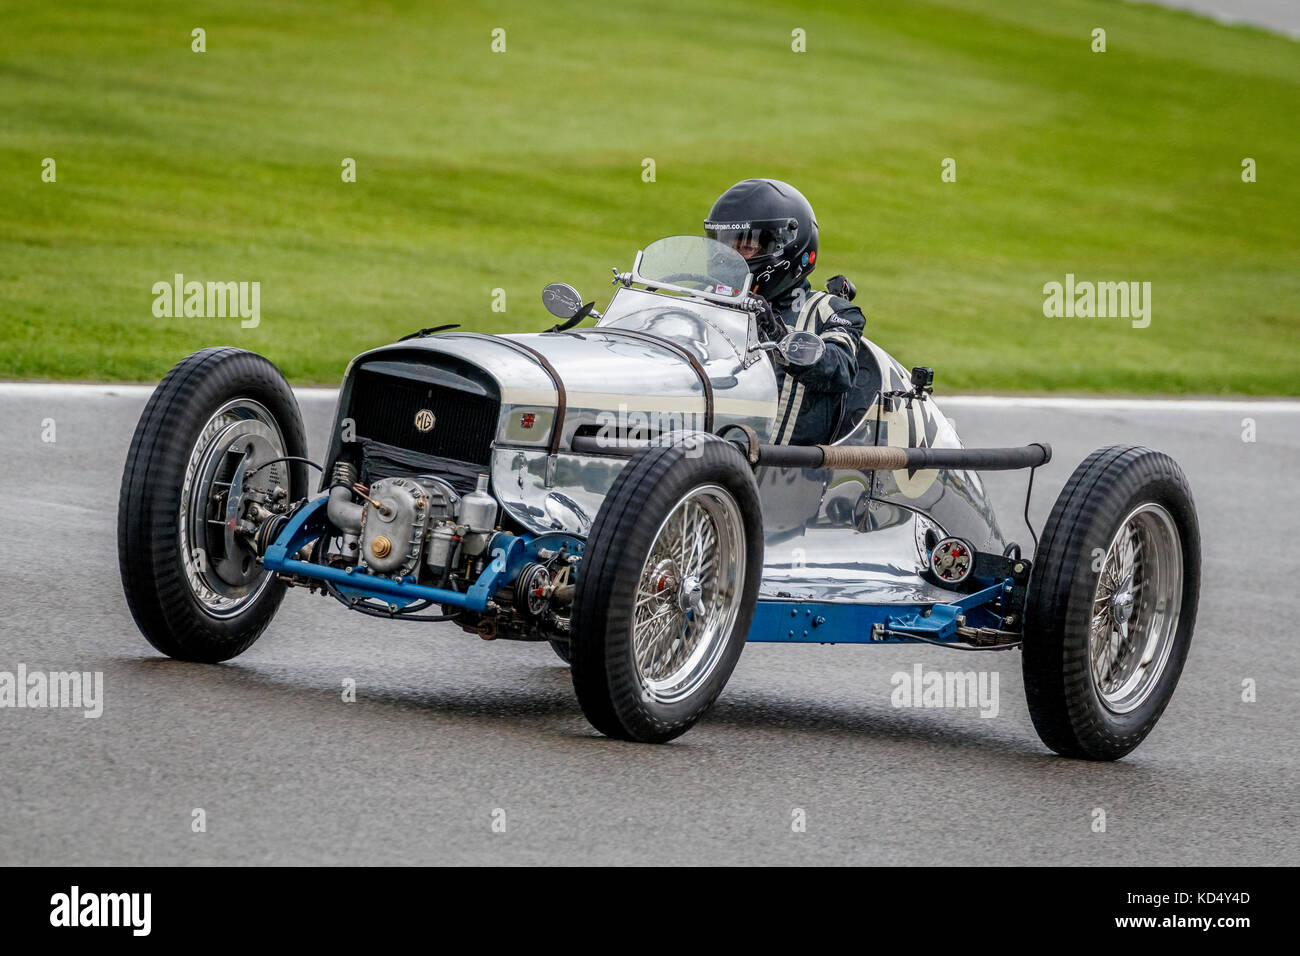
(1136, 607)
(666, 589)
(1111, 603)
(688, 592)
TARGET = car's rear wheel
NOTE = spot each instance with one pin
(1112, 603)
(209, 437)
(666, 589)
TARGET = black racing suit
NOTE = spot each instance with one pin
(812, 397)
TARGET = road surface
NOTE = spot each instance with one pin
(451, 734)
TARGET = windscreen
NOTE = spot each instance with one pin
(695, 262)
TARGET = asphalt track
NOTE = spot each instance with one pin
(450, 734)
(1281, 16)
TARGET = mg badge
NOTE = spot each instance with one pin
(424, 420)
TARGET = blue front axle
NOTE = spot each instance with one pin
(509, 553)
(793, 621)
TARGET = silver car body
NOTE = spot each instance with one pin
(838, 536)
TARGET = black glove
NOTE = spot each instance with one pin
(770, 326)
(842, 287)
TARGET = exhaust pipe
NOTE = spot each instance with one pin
(343, 512)
(854, 457)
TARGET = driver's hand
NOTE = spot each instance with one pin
(770, 326)
(841, 286)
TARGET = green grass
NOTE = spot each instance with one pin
(479, 171)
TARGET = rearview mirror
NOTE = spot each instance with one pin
(802, 349)
(561, 300)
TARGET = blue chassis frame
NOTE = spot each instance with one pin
(789, 622)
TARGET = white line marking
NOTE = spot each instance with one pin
(78, 390)
(318, 393)
(1118, 404)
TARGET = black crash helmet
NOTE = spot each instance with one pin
(771, 224)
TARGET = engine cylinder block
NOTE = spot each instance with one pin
(392, 536)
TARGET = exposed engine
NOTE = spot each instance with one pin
(391, 525)
(419, 529)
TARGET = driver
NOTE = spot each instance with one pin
(772, 225)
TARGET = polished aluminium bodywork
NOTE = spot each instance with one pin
(853, 537)
(836, 536)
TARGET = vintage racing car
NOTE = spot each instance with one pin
(612, 489)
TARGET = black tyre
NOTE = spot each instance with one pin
(561, 649)
(1112, 603)
(194, 585)
(666, 589)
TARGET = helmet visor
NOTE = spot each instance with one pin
(754, 238)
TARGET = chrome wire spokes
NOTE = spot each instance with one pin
(1135, 607)
(688, 593)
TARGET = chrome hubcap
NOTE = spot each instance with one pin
(1135, 607)
(688, 595)
(223, 572)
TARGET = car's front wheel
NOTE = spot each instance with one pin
(666, 589)
(207, 448)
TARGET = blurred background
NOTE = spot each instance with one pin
(479, 171)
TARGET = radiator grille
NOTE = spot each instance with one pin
(385, 408)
